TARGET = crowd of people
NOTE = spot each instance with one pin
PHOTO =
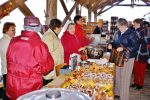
(134, 40)
(28, 60)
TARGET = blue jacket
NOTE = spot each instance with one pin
(127, 40)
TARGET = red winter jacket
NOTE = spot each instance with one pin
(70, 44)
(28, 59)
(81, 36)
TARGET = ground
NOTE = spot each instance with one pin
(143, 94)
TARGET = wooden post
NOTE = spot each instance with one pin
(78, 11)
(89, 15)
(51, 10)
(95, 16)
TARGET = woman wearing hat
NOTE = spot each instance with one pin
(27, 60)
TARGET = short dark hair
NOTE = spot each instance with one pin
(55, 23)
(7, 25)
(76, 18)
(139, 21)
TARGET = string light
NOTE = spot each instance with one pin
(7, 8)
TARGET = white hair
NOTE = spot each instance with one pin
(33, 28)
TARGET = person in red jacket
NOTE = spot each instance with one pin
(70, 42)
(79, 32)
(28, 59)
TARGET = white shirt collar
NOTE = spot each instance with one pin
(124, 31)
(7, 36)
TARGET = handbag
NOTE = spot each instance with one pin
(119, 57)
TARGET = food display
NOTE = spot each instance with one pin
(92, 52)
(93, 79)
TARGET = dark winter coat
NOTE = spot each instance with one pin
(142, 53)
(127, 40)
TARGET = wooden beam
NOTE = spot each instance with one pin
(85, 3)
(78, 11)
(100, 12)
(64, 7)
(80, 2)
(103, 4)
(97, 4)
(146, 14)
(70, 12)
(146, 2)
(134, 5)
(6, 8)
(89, 15)
(51, 10)
(91, 4)
(22, 7)
(108, 2)
(95, 16)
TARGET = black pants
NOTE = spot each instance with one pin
(4, 97)
(45, 82)
(4, 80)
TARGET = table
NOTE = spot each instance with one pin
(95, 80)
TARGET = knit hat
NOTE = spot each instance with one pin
(32, 23)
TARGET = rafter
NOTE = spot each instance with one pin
(6, 8)
(98, 4)
(100, 12)
(136, 5)
(23, 7)
(64, 7)
(70, 12)
(145, 1)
